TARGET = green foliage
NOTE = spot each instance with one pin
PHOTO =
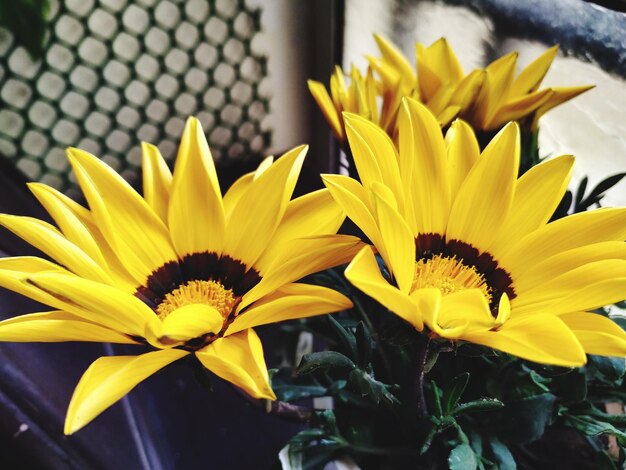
(26, 19)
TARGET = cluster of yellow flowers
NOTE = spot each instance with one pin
(485, 98)
(184, 270)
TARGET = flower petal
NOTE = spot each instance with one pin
(463, 152)
(484, 199)
(196, 190)
(313, 214)
(157, 180)
(187, 322)
(110, 378)
(71, 219)
(299, 259)
(327, 107)
(48, 239)
(57, 326)
(537, 195)
(129, 225)
(570, 232)
(364, 273)
(530, 78)
(597, 334)
(239, 359)
(353, 199)
(255, 217)
(539, 338)
(431, 194)
(96, 302)
(398, 247)
(290, 302)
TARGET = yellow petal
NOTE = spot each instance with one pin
(195, 191)
(463, 152)
(313, 214)
(568, 282)
(563, 262)
(129, 225)
(496, 85)
(392, 55)
(466, 92)
(597, 334)
(187, 322)
(110, 378)
(327, 107)
(14, 273)
(255, 217)
(518, 108)
(353, 199)
(559, 96)
(468, 308)
(96, 302)
(57, 326)
(570, 232)
(431, 194)
(236, 192)
(71, 218)
(290, 302)
(539, 338)
(377, 146)
(398, 247)
(364, 273)
(530, 78)
(48, 239)
(484, 199)
(157, 180)
(239, 359)
(443, 59)
(303, 257)
(537, 195)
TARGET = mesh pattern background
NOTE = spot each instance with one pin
(116, 72)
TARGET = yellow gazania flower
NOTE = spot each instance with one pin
(486, 98)
(183, 269)
(468, 245)
(358, 97)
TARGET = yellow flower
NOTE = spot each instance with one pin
(468, 244)
(486, 98)
(183, 269)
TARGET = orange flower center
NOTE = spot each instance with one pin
(449, 275)
(199, 292)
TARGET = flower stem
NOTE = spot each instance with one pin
(418, 384)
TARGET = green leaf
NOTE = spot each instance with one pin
(462, 457)
(368, 387)
(26, 19)
(484, 404)
(453, 392)
(345, 336)
(502, 455)
(597, 193)
(364, 345)
(323, 360)
(613, 368)
(525, 420)
(286, 392)
(592, 427)
(580, 193)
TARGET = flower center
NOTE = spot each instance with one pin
(199, 292)
(449, 275)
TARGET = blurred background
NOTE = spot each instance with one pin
(103, 75)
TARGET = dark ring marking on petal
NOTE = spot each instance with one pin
(429, 244)
(231, 273)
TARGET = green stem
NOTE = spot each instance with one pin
(374, 333)
(418, 385)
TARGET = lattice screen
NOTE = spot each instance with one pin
(116, 72)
